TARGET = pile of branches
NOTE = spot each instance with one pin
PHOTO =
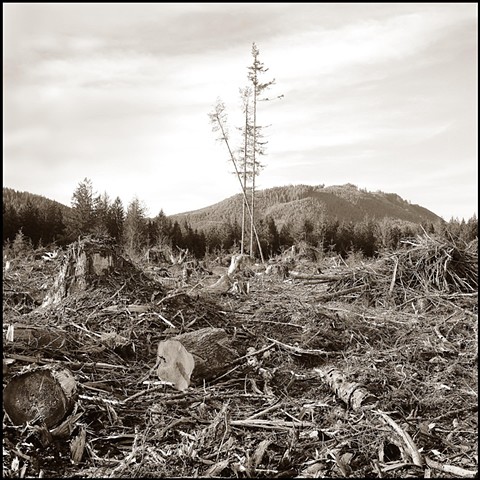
(427, 267)
(440, 264)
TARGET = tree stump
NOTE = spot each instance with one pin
(86, 260)
(212, 350)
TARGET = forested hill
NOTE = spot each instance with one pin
(38, 217)
(290, 204)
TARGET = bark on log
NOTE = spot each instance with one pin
(47, 393)
(353, 394)
(212, 350)
(36, 337)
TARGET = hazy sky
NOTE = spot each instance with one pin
(383, 96)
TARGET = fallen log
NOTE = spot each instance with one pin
(175, 364)
(452, 469)
(352, 393)
(46, 393)
(328, 296)
(36, 337)
(320, 278)
(212, 350)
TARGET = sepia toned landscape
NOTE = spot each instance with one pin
(240, 240)
(312, 364)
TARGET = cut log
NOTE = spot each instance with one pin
(353, 394)
(175, 364)
(36, 337)
(212, 349)
(47, 393)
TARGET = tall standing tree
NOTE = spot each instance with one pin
(116, 219)
(135, 225)
(218, 119)
(255, 72)
(252, 144)
(245, 154)
(101, 206)
(82, 214)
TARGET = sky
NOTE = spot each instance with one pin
(383, 96)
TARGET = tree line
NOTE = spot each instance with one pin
(37, 221)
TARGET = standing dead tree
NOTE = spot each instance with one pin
(252, 144)
(245, 154)
(218, 119)
(254, 73)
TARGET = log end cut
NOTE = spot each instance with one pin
(45, 393)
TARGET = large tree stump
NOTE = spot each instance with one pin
(85, 261)
(212, 351)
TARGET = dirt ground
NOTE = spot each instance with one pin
(341, 369)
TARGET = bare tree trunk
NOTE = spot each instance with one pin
(225, 139)
(244, 176)
(254, 165)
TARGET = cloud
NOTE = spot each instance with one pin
(121, 94)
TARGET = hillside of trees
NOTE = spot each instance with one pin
(40, 219)
(338, 219)
(283, 204)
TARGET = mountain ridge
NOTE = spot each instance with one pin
(287, 203)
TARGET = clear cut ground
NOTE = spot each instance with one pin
(410, 346)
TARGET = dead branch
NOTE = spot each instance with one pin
(452, 469)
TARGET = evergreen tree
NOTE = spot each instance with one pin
(163, 229)
(11, 222)
(135, 228)
(176, 235)
(116, 219)
(330, 238)
(286, 235)
(53, 226)
(273, 237)
(365, 238)
(81, 221)
(101, 211)
(345, 238)
(30, 221)
(255, 71)
(471, 229)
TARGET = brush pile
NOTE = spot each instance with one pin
(431, 263)
(428, 269)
